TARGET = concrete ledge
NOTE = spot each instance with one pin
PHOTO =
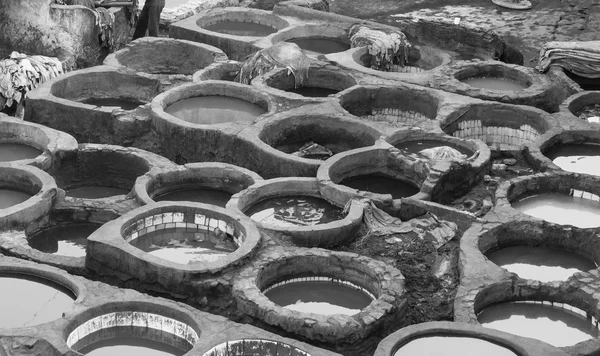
(39, 184)
(330, 234)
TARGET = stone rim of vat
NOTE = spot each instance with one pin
(110, 241)
(52, 143)
(537, 234)
(329, 234)
(536, 92)
(325, 76)
(184, 325)
(226, 70)
(576, 102)
(211, 16)
(206, 175)
(353, 101)
(513, 131)
(535, 152)
(372, 160)
(351, 59)
(224, 348)
(34, 181)
(152, 45)
(386, 283)
(328, 31)
(163, 121)
(551, 182)
(142, 160)
(519, 345)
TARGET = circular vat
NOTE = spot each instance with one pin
(294, 207)
(241, 22)
(316, 40)
(500, 126)
(226, 71)
(585, 105)
(208, 183)
(166, 242)
(493, 77)
(32, 296)
(154, 55)
(564, 199)
(133, 328)
(399, 105)
(320, 81)
(420, 59)
(571, 151)
(26, 193)
(104, 171)
(315, 285)
(211, 103)
(424, 144)
(536, 251)
(316, 137)
(27, 143)
(254, 347)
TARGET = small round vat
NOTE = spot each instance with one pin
(578, 158)
(242, 22)
(492, 83)
(492, 76)
(579, 209)
(557, 324)
(113, 103)
(449, 345)
(583, 105)
(321, 45)
(298, 210)
(215, 109)
(381, 184)
(28, 300)
(319, 295)
(198, 195)
(540, 263)
(254, 347)
(11, 197)
(240, 28)
(17, 151)
(95, 192)
(65, 240)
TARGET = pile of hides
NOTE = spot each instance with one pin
(21, 73)
(442, 152)
(313, 150)
(580, 58)
(386, 49)
(280, 55)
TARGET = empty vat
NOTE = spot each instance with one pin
(17, 151)
(214, 109)
(557, 324)
(319, 295)
(449, 345)
(294, 210)
(381, 184)
(541, 263)
(65, 240)
(27, 300)
(321, 45)
(578, 208)
(578, 158)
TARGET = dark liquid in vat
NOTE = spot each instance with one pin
(320, 45)
(561, 209)
(320, 297)
(578, 158)
(294, 211)
(27, 300)
(494, 84)
(9, 197)
(186, 246)
(550, 324)
(240, 28)
(17, 151)
(451, 346)
(95, 192)
(113, 103)
(65, 240)
(206, 196)
(417, 146)
(210, 110)
(381, 185)
(313, 92)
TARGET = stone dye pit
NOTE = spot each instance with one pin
(578, 158)
(254, 347)
(240, 28)
(294, 210)
(451, 345)
(320, 45)
(17, 151)
(584, 105)
(67, 240)
(581, 209)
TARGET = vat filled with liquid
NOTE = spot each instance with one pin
(17, 151)
(381, 185)
(240, 28)
(198, 195)
(214, 109)
(11, 197)
(113, 103)
(185, 246)
(313, 92)
(65, 240)
(27, 300)
(451, 346)
(561, 209)
(541, 263)
(417, 146)
(494, 83)
(589, 111)
(579, 158)
(294, 211)
(319, 295)
(549, 323)
(95, 192)
(320, 45)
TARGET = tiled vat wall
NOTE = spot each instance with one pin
(492, 135)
